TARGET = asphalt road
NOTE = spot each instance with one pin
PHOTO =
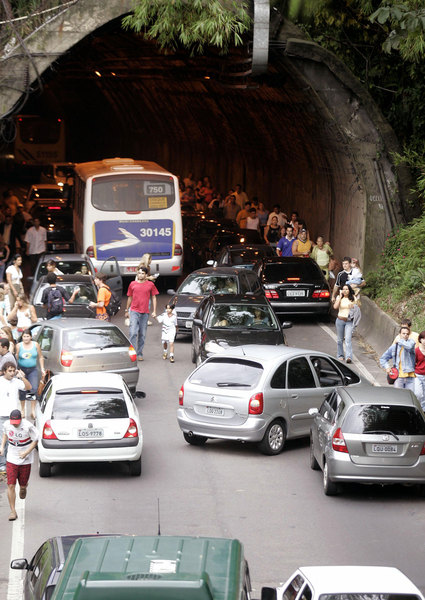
(274, 505)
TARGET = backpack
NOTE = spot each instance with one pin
(54, 302)
(113, 305)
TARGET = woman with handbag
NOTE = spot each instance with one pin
(402, 356)
(344, 324)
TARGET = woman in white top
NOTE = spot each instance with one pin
(24, 312)
(14, 279)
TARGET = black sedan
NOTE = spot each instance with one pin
(294, 285)
(225, 236)
(80, 306)
(222, 322)
(242, 255)
(211, 280)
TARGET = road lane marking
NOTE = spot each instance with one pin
(363, 370)
(15, 585)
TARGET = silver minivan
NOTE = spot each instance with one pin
(259, 393)
(368, 436)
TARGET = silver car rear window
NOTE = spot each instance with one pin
(223, 373)
(380, 418)
(94, 337)
(77, 405)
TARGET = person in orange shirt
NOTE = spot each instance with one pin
(103, 297)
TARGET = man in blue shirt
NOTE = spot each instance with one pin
(284, 245)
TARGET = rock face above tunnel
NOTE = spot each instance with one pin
(306, 134)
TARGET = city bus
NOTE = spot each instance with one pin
(39, 140)
(127, 208)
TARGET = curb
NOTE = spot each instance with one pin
(376, 327)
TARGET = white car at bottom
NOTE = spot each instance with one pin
(88, 417)
(345, 583)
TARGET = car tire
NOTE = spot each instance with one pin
(193, 355)
(135, 467)
(329, 487)
(313, 462)
(274, 439)
(195, 440)
(44, 469)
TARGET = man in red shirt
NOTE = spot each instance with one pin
(139, 294)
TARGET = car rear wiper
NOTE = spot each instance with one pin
(232, 384)
(107, 346)
(383, 432)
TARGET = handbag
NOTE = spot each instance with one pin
(393, 374)
(45, 378)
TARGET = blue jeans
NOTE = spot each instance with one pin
(420, 389)
(407, 383)
(138, 327)
(344, 329)
(3, 458)
(31, 373)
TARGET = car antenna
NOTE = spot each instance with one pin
(159, 518)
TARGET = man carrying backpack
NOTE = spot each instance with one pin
(104, 298)
(55, 296)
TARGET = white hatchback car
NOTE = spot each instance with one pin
(88, 417)
(345, 583)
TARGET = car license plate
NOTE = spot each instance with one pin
(130, 269)
(384, 448)
(189, 324)
(295, 293)
(214, 410)
(90, 433)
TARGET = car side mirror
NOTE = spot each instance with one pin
(197, 322)
(312, 412)
(171, 292)
(19, 563)
(287, 324)
(348, 380)
(268, 593)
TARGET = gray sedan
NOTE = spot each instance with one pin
(368, 436)
(76, 345)
(258, 393)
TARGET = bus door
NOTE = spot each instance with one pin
(112, 271)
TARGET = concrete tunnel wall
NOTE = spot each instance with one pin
(307, 135)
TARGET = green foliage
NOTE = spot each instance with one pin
(402, 267)
(415, 160)
(192, 24)
(407, 23)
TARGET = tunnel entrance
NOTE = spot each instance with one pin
(120, 96)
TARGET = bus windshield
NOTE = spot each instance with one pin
(133, 192)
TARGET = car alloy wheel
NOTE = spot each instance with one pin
(274, 439)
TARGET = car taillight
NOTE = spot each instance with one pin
(181, 396)
(48, 433)
(423, 450)
(132, 354)
(256, 404)
(132, 430)
(66, 358)
(178, 250)
(338, 442)
(271, 294)
(90, 251)
(321, 294)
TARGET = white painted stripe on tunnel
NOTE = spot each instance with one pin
(359, 365)
(15, 586)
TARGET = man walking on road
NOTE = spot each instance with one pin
(403, 357)
(22, 437)
(36, 241)
(139, 295)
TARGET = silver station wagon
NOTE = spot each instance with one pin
(259, 393)
(368, 436)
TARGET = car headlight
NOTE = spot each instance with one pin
(214, 347)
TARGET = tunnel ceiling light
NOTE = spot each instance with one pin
(98, 74)
(113, 74)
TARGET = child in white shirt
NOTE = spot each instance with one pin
(169, 330)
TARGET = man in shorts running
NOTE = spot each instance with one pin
(22, 437)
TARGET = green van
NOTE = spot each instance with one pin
(154, 568)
